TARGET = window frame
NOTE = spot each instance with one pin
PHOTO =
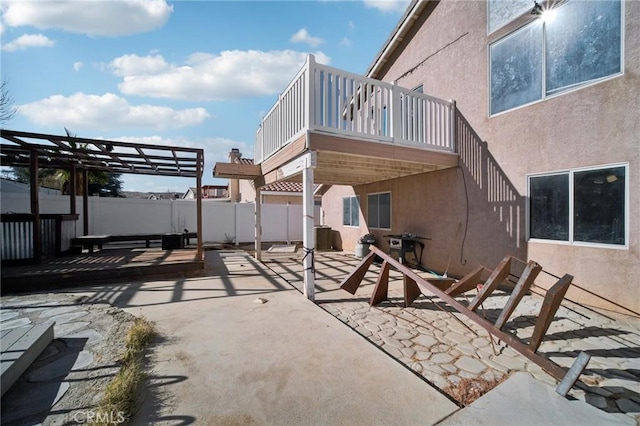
(390, 210)
(350, 198)
(571, 173)
(568, 89)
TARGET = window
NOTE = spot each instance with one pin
(379, 210)
(350, 211)
(579, 206)
(581, 42)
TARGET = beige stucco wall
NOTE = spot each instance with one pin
(595, 125)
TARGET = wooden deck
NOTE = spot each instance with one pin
(108, 265)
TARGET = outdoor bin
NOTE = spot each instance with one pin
(172, 241)
(362, 247)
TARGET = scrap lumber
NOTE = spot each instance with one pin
(495, 279)
(546, 364)
(550, 306)
(411, 291)
(466, 283)
(353, 280)
(381, 290)
(530, 273)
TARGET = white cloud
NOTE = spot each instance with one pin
(77, 66)
(346, 42)
(303, 36)
(95, 17)
(231, 74)
(388, 6)
(128, 65)
(351, 25)
(108, 111)
(26, 41)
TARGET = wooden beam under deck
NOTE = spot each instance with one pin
(343, 161)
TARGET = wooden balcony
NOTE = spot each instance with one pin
(362, 130)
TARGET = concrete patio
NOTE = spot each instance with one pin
(242, 346)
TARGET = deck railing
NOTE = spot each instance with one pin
(325, 99)
(17, 236)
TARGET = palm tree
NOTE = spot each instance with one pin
(97, 178)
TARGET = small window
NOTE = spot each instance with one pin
(379, 210)
(350, 211)
(580, 206)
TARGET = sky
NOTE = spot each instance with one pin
(181, 73)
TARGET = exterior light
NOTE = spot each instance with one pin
(537, 9)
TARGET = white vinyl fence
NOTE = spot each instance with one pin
(221, 222)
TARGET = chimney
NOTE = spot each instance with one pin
(234, 155)
(234, 184)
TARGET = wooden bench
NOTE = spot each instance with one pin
(89, 241)
(20, 347)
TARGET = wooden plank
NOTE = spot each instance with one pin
(529, 274)
(466, 283)
(495, 279)
(381, 290)
(353, 280)
(411, 291)
(550, 305)
(236, 171)
(388, 151)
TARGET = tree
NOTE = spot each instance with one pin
(101, 183)
(7, 107)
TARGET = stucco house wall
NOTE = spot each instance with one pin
(447, 51)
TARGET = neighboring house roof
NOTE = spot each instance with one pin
(248, 161)
(406, 22)
(284, 187)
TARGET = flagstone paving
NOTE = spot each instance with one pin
(445, 347)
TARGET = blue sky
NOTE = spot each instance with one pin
(185, 73)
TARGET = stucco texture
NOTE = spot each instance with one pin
(598, 124)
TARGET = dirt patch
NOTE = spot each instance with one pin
(66, 382)
(468, 390)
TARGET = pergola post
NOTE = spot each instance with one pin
(258, 226)
(200, 160)
(85, 201)
(308, 223)
(35, 204)
(73, 209)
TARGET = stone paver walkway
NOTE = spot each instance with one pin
(445, 347)
(71, 372)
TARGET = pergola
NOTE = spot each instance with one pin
(82, 155)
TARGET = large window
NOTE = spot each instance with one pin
(579, 206)
(578, 43)
(379, 210)
(350, 211)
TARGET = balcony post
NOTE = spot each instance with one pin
(310, 95)
(395, 114)
(453, 131)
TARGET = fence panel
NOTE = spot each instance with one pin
(222, 222)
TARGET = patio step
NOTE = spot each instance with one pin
(20, 347)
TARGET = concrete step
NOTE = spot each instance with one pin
(19, 348)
